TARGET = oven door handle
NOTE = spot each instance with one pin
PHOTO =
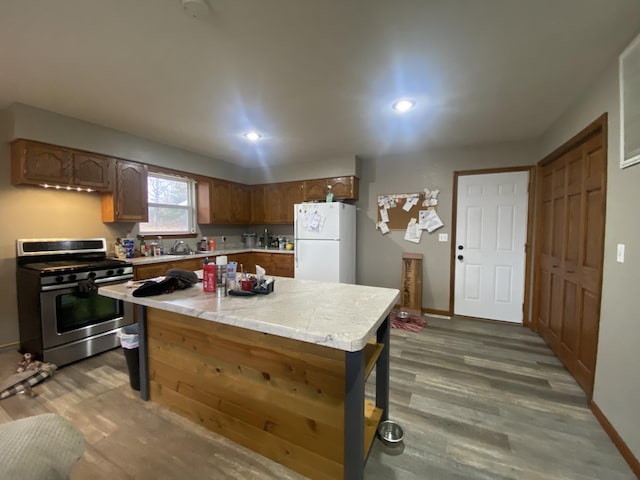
(100, 281)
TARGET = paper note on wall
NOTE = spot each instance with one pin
(429, 220)
(413, 233)
(384, 215)
(384, 228)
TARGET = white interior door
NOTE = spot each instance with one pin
(491, 232)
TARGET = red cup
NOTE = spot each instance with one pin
(246, 285)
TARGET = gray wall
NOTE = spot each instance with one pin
(617, 384)
(379, 256)
(49, 127)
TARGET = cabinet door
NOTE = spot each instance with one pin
(344, 188)
(282, 264)
(240, 200)
(315, 189)
(293, 193)
(131, 192)
(188, 264)
(273, 203)
(220, 201)
(38, 163)
(265, 260)
(244, 261)
(92, 171)
(152, 270)
(257, 204)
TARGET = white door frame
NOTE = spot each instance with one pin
(526, 314)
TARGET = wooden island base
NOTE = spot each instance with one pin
(288, 400)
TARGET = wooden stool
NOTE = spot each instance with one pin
(411, 291)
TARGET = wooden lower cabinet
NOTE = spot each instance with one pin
(152, 270)
(281, 398)
(278, 264)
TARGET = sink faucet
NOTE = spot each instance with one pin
(180, 247)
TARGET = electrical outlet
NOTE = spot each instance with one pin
(620, 256)
(224, 238)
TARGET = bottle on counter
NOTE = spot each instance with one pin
(143, 247)
(265, 238)
(212, 244)
(208, 276)
(160, 246)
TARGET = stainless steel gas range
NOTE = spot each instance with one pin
(61, 316)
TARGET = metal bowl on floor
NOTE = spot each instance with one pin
(390, 433)
(402, 316)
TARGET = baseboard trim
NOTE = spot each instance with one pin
(617, 440)
(427, 311)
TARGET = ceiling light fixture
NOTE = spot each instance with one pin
(252, 136)
(404, 105)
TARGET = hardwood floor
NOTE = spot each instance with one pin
(476, 400)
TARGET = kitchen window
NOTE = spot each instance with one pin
(171, 205)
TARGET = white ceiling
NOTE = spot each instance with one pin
(316, 77)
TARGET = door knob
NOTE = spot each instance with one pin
(460, 247)
(460, 257)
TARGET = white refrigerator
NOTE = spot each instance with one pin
(325, 242)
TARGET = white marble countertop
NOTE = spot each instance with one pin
(337, 315)
(200, 254)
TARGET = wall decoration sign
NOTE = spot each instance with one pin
(630, 104)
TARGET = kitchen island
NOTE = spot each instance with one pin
(282, 374)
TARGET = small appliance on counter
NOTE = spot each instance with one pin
(60, 314)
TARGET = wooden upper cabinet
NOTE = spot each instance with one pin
(240, 198)
(273, 203)
(220, 201)
(315, 190)
(277, 201)
(35, 163)
(92, 171)
(343, 188)
(257, 204)
(292, 193)
(128, 202)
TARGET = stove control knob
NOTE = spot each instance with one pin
(72, 277)
(92, 275)
(59, 278)
(109, 273)
(120, 271)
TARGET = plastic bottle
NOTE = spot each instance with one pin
(208, 276)
(212, 244)
(143, 247)
(160, 246)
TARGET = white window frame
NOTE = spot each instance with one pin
(190, 207)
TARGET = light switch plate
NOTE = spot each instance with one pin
(443, 237)
(620, 256)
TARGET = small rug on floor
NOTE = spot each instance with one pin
(412, 324)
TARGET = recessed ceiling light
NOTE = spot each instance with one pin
(252, 136)
(403, 105)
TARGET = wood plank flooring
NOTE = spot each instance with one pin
(476, 400)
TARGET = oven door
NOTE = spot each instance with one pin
(69, 315)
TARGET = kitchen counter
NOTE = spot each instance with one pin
(211, 253)
(282, 374)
